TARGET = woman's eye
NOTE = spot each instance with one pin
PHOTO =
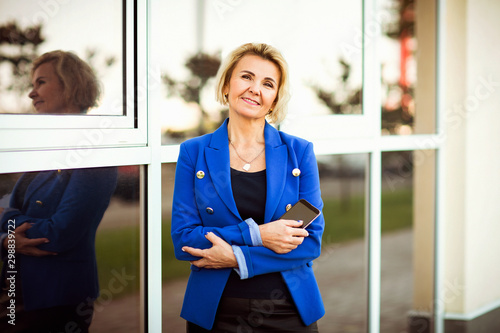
(245, 76)
(269, 85)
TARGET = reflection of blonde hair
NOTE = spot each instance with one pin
(81, 87)
(266, 52)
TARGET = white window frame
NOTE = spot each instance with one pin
(22, 132)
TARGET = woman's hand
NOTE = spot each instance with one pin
(220, 255)
(282, 236)
(25, 245)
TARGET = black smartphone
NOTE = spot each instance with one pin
(302, 211)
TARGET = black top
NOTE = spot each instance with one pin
(249, 191)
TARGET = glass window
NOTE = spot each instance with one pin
(37, 27)
(174, 272)
(341, 270)
(407, 246)
(407, 50)
(321, 41)
(118, 244)
(397, 239)
(398, 49)
(90, 219)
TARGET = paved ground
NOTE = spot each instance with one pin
(341, 275)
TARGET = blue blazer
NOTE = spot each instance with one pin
(192, 219)
(65, 206)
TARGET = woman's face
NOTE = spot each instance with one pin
(253, 87)
(47, 92)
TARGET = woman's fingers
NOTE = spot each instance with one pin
(214, 239)
(295, 228)
(292, 223)
(282, 236)
(193, 251)
(27, 246)
(220, 255)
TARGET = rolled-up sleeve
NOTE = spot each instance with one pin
(242, 269)
(254, 232)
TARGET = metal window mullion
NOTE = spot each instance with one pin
(439, 226)
(374, 240)
(439, 237)
(372, 110)
(153, 212)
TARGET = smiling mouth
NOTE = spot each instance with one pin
(250, 101)
(37, 103)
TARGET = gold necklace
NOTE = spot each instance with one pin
(248, 165)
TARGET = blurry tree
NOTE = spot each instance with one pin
(202, 68)
(402, 13)
(18, 48)
(342, 99)
(98, 65)
(400, 26)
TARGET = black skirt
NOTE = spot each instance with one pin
(247, 315)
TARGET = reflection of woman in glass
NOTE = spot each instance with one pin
(251, 271)
(63, 83)
(49, 273)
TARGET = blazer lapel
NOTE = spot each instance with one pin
(276, 166)
(217, 159)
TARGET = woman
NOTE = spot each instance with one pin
(250, 271)
(48, 230)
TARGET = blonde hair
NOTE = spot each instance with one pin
(81, 87)
(266, 52)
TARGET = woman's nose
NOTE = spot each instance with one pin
(254, 89)
(32, 93)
